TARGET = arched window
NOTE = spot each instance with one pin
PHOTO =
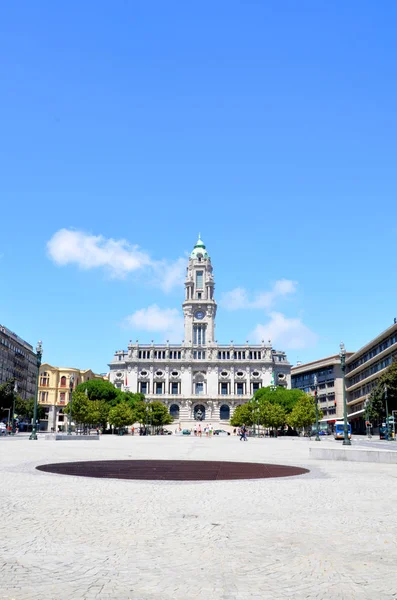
(63, 381)
(174, 411)
(224, 412)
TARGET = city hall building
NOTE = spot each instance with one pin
(199, 379)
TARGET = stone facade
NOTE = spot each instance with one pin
(18, 361)
(363, 370)
(199, 379)
(54, 393)
(329, 385)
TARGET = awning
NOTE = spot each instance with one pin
(330, 420)
(356, 414)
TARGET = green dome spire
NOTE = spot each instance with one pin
(199, 248)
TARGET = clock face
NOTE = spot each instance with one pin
(199, 314)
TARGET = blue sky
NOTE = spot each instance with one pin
(129, 127)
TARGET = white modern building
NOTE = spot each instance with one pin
(199, 379)
(327, 374)
(363, 370)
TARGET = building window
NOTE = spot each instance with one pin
(63, 381)
(174, 411)
(198, 335)
(240, 389)
(44, 380)
(224, 389)
(174, 388)
(224, 412)
(255, 386)
(199, 280)
(199, 295)
(159, 387)
(43, 397)
(62, 397)
(199, 387)
(144, 387)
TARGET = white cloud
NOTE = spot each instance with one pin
(238, 298)
(288, 333)
(170, 274)
(118, 257)
(167, 321)
(235, 299)
(92, 251)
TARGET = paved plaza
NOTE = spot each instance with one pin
(330, 533)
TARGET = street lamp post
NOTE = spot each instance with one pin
(258, 414)
(346, 441)
(71, 382)
(39, 354)
(317, 438)
(14, 395)
(387, 414)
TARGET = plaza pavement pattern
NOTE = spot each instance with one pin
(330, 533)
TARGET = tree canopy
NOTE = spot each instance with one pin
(243, 415)
(24, 409)
(158, 414)
(279, 395)
(303, 415)
(121, 415)
(101, 389)
(7, 393)
(270, 407)
(377, 406)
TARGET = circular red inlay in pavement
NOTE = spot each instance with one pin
(171, 470)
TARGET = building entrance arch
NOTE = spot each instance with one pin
(224, 412)
(174, 411)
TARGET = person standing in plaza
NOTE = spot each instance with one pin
(199, 430)
(243, 433)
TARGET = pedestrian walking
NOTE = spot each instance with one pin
(243, 433)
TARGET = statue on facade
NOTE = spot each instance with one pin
(199, 415)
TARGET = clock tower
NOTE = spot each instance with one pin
(199, 307)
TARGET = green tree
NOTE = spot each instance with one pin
(303, 415)
(287, 399)
(271, 415)
(377, 405)
(101, 389)
(81, 409)
(98, 412)
(121, 415)
(140, 412)
(7, 393)
(158, 414)
(24, 409)
(243, 415)
(133, 399)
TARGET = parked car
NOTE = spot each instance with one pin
(221, 432)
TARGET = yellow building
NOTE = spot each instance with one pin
(54, 392)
